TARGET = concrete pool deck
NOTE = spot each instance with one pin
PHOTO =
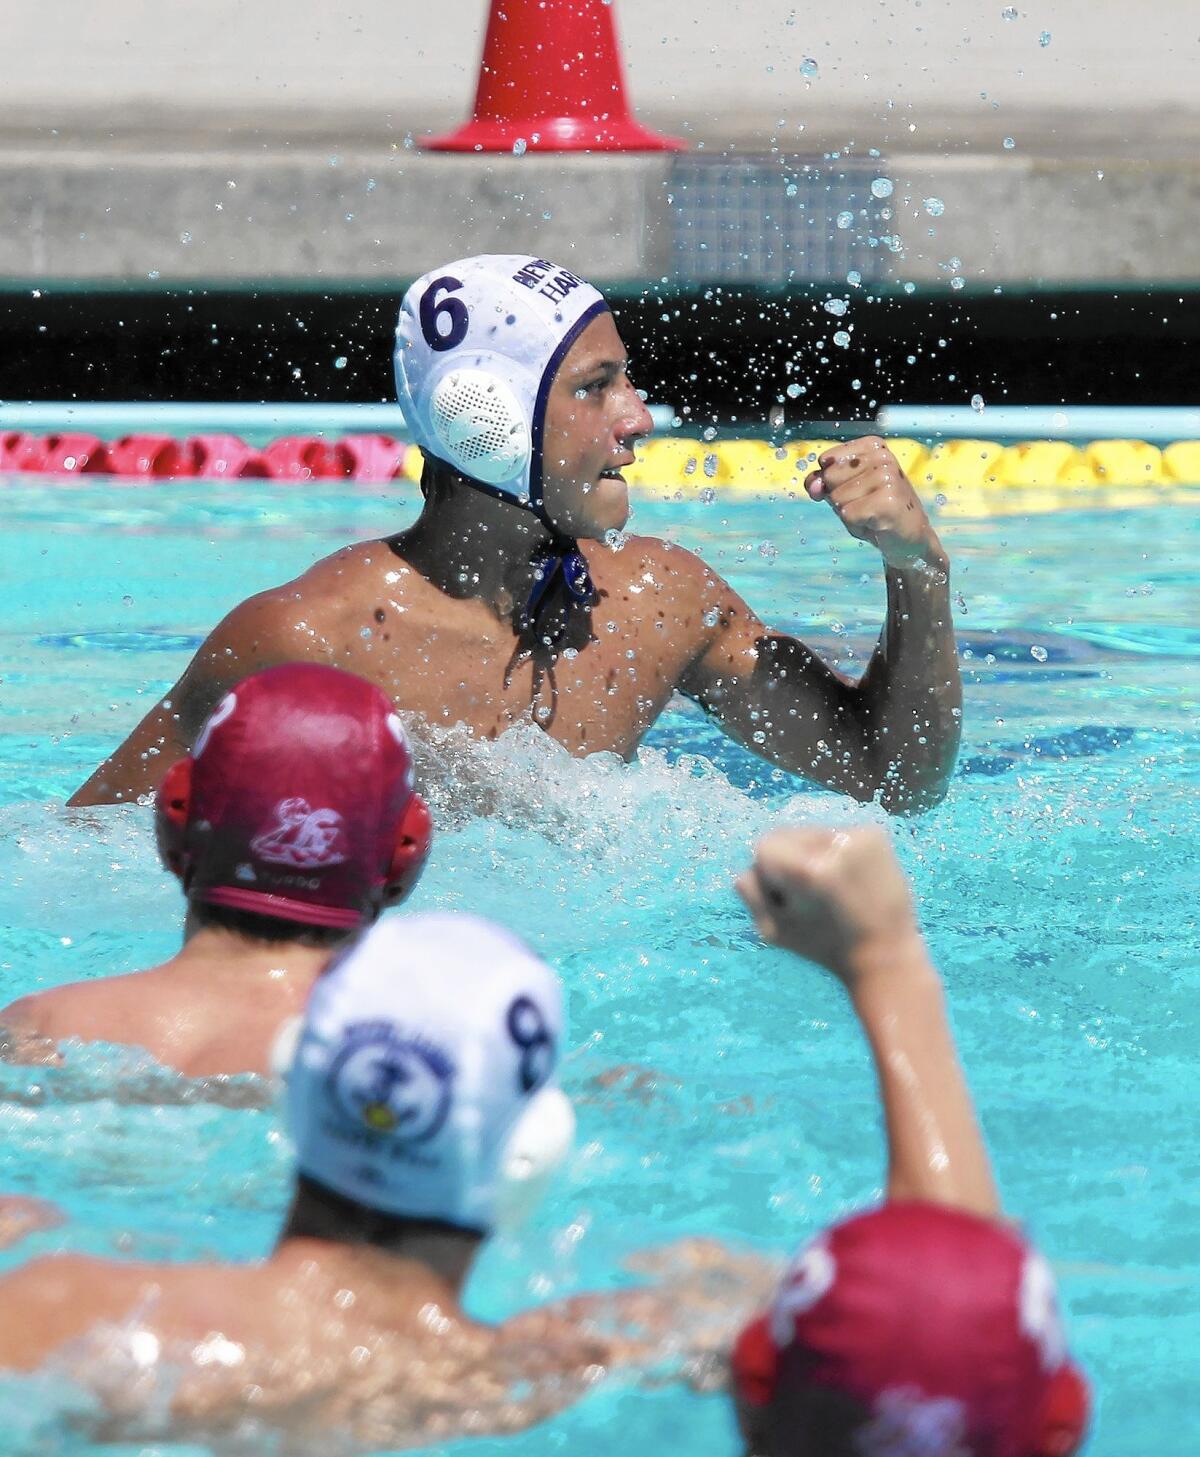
(219, 145)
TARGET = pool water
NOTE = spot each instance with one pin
(1058, 886)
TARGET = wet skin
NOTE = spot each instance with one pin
(428, 616)
(178, 1012)
(319, 1336)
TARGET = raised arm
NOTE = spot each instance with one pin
(839, 898)
(251, 637)
(894, 734)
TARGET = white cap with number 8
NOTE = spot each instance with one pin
(423, 1083)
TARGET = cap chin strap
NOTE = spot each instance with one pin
(557, 562)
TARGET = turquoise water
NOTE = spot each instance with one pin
(1058, 884)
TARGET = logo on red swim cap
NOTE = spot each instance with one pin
(941, 1326)
(301, 836)
(297, 801)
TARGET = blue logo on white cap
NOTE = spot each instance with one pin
(395, 1086)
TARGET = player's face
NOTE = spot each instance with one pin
(593, 417)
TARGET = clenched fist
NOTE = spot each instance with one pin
(876, 502)
(838, 897)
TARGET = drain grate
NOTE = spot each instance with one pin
(777, 220)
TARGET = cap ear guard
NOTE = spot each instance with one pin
(1064, 1415)
(534, 1151)
(414, 839)
(754, 1363)
(171, 807)
(480, 425)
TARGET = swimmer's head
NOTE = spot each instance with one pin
(913, 1328)
(297, 802)
(511, 373)
(423, 1083)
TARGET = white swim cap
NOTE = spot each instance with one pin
(422, 1084)
(477, 347)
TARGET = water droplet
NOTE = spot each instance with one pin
(845, 220)
(519, 147)
(1038, 653)
(340, 362)
(768, 550)
(793, 391)
(836, 306)
(854, 278)
(708, 495)
(934, 206)
(1009, 12)
(977, 404)
(710, 466)
(614, 539)
(842, 339)
(185, 238)
(957, 283)
(127, 600)
(882, 187)
(1044, 39)
(940, 499)
(1009, 144)
(910, 288)
(711, 617)
(809, 67)
(791, 189)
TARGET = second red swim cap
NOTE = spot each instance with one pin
(297, 801)
(940, 1326)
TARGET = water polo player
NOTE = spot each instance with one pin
(502, 604)
(291, 824)
(425, 1113)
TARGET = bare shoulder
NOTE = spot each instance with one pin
(305, 619)
(669, 568)
(321, 591)
(65, 1011)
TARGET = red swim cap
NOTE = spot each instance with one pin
(297, 801)
(942, 1326)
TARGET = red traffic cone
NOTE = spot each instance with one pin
(551, 81)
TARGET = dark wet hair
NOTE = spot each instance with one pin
(318, 1212)
(437, 477)
(266, 928)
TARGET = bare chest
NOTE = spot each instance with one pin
(602, 694)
